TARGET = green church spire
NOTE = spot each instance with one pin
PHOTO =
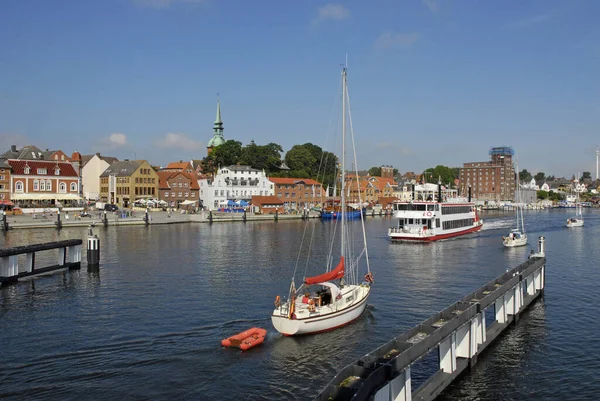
(217, 138)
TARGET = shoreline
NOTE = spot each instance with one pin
(156, 218)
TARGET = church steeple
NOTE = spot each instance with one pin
(218, 138)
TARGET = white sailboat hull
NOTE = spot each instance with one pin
(575, 223)
(327, 317)
(514, 242)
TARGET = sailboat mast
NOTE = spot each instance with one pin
(343, 183)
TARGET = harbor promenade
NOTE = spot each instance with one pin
(156, 217)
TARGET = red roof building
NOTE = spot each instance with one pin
(37, 182)
(298, 193)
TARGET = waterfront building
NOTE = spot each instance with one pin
(41, 183)
(545, 187)
(234, 183)
(403, 192)
(178, 183)
(5, 171)
(93, 166)
(267, 204)
(298, 193)
(218, 138)
(493, 180)
(57, 155)
(122, 183)
(370, 189)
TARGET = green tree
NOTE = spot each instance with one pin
(441, 173)
(226, 154)
(265, 157)
(310, 161)
(586, 176)
(541, 195)
(539, 177)
(524, 176)
(375, 171)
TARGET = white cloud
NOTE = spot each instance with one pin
(179, 141)
(165, 3)
(332, 11)
(432, 5)
(113, 141)
(527, 22)
(390, 39)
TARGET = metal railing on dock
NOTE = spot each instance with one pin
(68, 256)
(459, 333)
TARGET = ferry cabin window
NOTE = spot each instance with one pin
(437, 223)
(430, 208)
(409, 207)
(448, 225)
(455, 209)
(410, 221)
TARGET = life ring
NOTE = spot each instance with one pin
(277, 301)
(429, 214)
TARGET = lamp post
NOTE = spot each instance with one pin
(105, 219)
(4, 221)
(58, 222)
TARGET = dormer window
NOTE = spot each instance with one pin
(55, 157)
(41, 171)
(26, 170)
(57, 171)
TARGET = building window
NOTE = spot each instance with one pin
(179, 194)
(42, 171)
(166, 194)
(187, 194)
(57, 171)
(26, 170)
(2, 178)
(73, 187)
(193, 194)
(36, 185)
(62, 187)
(48, 185)
(18, 186)
(42, 185)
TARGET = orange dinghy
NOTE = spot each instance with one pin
(246, 339)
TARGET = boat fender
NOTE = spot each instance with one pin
(277, 301)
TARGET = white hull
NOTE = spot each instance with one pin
(575, 223)
(514, 242)
(327, 317)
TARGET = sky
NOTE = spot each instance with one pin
(430, 81)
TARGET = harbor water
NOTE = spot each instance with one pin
(148, 323)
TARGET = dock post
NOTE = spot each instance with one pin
(105, 219)
(244, 217)
(93, 249)
(58, 222)
(276, 214)
(146, 219)
(210, 218)
(4, 221)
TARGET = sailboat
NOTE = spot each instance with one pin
(338, 296)
(576, 221)
(517, 237)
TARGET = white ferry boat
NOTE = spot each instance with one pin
(426, 221)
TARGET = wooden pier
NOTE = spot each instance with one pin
(68, 256)
(459, 334)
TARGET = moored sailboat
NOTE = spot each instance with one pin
(576, 221)
(338, 296)
(517, 236)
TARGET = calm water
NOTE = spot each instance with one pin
(148, 323)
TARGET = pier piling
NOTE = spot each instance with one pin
(105, 221)
(58, 222)
(4, 221)
(93, 249)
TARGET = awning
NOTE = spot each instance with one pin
(188, 202)
(45, 196)
(5, 202)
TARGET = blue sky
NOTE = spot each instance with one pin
(431, 82)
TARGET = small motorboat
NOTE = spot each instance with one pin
(246, 339)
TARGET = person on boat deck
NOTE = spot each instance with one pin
(306, 298)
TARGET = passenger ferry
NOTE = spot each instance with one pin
(429, 220)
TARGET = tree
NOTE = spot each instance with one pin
(586, 176)
(524, 176)
(310, 161)
(375, 171)
(539, 177)
(442, 173)
(226, 154)
(266, 157)
(541, 195)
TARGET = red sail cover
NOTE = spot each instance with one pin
(335, 274)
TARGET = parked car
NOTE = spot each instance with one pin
(111, 208)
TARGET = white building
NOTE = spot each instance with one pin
(545, 187)
(531, 185)
(234, 183)
(93, 166)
